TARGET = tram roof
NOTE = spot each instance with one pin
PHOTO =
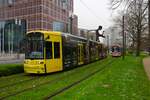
(67, 34)
(116, 45)
(62, 33)
(46, 32)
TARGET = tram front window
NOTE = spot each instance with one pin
(35, 47)
(112, 49)
(118, 49)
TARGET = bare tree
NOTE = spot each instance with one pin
(117, 3)
(149, 25)
(135, 19)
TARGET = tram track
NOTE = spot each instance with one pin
(16, 83)
(10, 80)
(76, 82)
(41, 84)
(5, 78)
(35, 86)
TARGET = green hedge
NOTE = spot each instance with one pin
(8, 69)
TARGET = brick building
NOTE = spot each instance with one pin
(19, 16)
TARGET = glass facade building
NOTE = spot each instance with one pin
(49, 15)
(12, 33)
(39, 14)
(58, 26)
(6, 2)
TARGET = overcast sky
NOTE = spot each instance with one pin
(92, 13)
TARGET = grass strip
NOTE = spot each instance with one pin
(44, 90)
(9, 69)
(125, 80)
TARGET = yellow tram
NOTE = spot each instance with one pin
(48, 51)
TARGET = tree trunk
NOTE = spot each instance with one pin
(138, 42)
(138, 47)
(139, 27)
(133, 46)
(149, 26)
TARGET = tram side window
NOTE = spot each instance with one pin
(56, 50)
(49, 50)
(118, 49)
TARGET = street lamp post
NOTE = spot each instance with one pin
(123, 39)
(71, 25)
(87, 47)
(71, 17)
(108, 43)
(149, 26)
(18, 24)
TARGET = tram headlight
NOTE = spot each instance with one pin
(25, 62)
(41, 62)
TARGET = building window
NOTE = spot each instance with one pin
(58, 26)
(64, 4)
(10, 2)
(11, 35)
(2, 2)
(6, 2)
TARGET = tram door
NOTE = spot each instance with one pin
(53, 55)
(80, 54)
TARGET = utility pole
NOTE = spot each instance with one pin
(0, 41)
(149, 26)
(123, 39)
(71, 16)
(108, 43)
(125, 42)
(87, 48)
(71, 24)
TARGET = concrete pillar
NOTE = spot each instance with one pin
(3, 51)
(12, 37)
(0, 38)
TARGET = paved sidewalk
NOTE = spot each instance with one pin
(146, 63)
(17, 61)
(12, 59)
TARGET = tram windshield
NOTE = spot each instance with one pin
(35, 46)
(116, 49)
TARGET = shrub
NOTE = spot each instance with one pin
(9, 69)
